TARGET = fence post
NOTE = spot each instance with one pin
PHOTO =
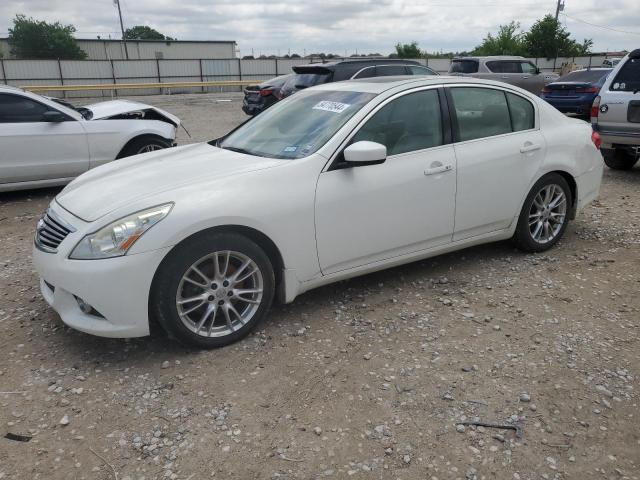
(4, 72)
(590, 56)
(64, 94)
(554, 63)
(157, 70)
(276, 68)
(201, 76)
(113, 75)
(240, 71)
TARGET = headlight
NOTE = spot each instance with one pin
(116, 239)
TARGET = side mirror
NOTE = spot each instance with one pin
(53, 116)
(365, 153)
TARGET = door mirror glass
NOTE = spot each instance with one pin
(365, 153)
(53, 116)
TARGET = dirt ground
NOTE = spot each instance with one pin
(369, 378)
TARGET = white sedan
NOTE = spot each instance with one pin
(44, 143)
(333, 182)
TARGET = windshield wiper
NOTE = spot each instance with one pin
(236, 149)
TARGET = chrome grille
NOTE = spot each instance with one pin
(51, 231)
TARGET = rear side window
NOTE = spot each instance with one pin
(464, 66)
(501, 66)
(529, 68)
(389, 70)
(19, 109)
(480, 112)
(522, 113)
(406, 124)
(366, 72)
(628, 77)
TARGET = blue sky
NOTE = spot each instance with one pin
(346, 26)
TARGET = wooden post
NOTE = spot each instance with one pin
(64, 94)
(113, 75)
(201, 76)
(240, 71)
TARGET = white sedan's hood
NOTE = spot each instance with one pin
(123, 182)
(110, 108)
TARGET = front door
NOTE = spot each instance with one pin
(499, 149)
(32, 149)
(372, 213)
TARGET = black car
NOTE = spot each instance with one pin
(260, 97)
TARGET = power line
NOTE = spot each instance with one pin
(601, 26)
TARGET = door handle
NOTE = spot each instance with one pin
(437, 167)
(504, 76)
(529, 147)
(525, 77)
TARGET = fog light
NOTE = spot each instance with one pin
(84, 306)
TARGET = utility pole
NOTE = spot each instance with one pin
(559, 8)
(126, 51)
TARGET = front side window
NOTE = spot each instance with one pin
(19, 109)
(480, 112)
(297, 126)
(628, 77)
(501, 66)
(529, 68)
(416, 70)
(464, 66)
(411, 122)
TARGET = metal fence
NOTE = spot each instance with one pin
(81, 72)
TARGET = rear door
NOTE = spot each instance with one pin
(32, 149)
(499, 149)
(507, 71)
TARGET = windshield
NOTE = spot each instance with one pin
(298, 126)
(585, 76)
(628, 77)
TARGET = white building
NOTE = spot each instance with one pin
(107, 49)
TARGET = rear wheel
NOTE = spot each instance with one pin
(213, 290)
(544, 216)
(619, 159)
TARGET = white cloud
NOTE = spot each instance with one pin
(332, 25)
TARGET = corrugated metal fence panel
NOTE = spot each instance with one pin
(259, 68)
(170, 69)
(147, 69)
(229, 69)
(546, 64)
(91, 69)
(31, 69)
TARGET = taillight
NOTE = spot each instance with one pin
(546, 90)
(595, 138)
(588, 90)
(595, 109)
(265, 92)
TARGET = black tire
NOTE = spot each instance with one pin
(139, 144)
(619, 159)
(523, 237)
(169, 278)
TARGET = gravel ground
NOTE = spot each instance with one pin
(369, 378)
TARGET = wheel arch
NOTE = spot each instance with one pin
(573, 185)
(138, 137)
(253, 234)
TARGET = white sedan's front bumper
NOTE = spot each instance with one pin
(118, 288)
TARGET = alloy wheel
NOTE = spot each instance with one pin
(152, 147)
(219, 294)
(548, 213)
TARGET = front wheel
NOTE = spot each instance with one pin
(144, 144)
(212, 290)
(544, 216)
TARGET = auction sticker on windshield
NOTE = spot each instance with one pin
(329, 106)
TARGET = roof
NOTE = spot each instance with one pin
(492, 57)
(367, 61)
(381, 84)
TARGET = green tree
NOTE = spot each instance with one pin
(143, 32)
(37, 39)
(508, 41)
(548, 38)
(408, 50)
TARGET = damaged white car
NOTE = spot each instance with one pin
(46, 142)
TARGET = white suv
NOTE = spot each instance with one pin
(615, 114)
